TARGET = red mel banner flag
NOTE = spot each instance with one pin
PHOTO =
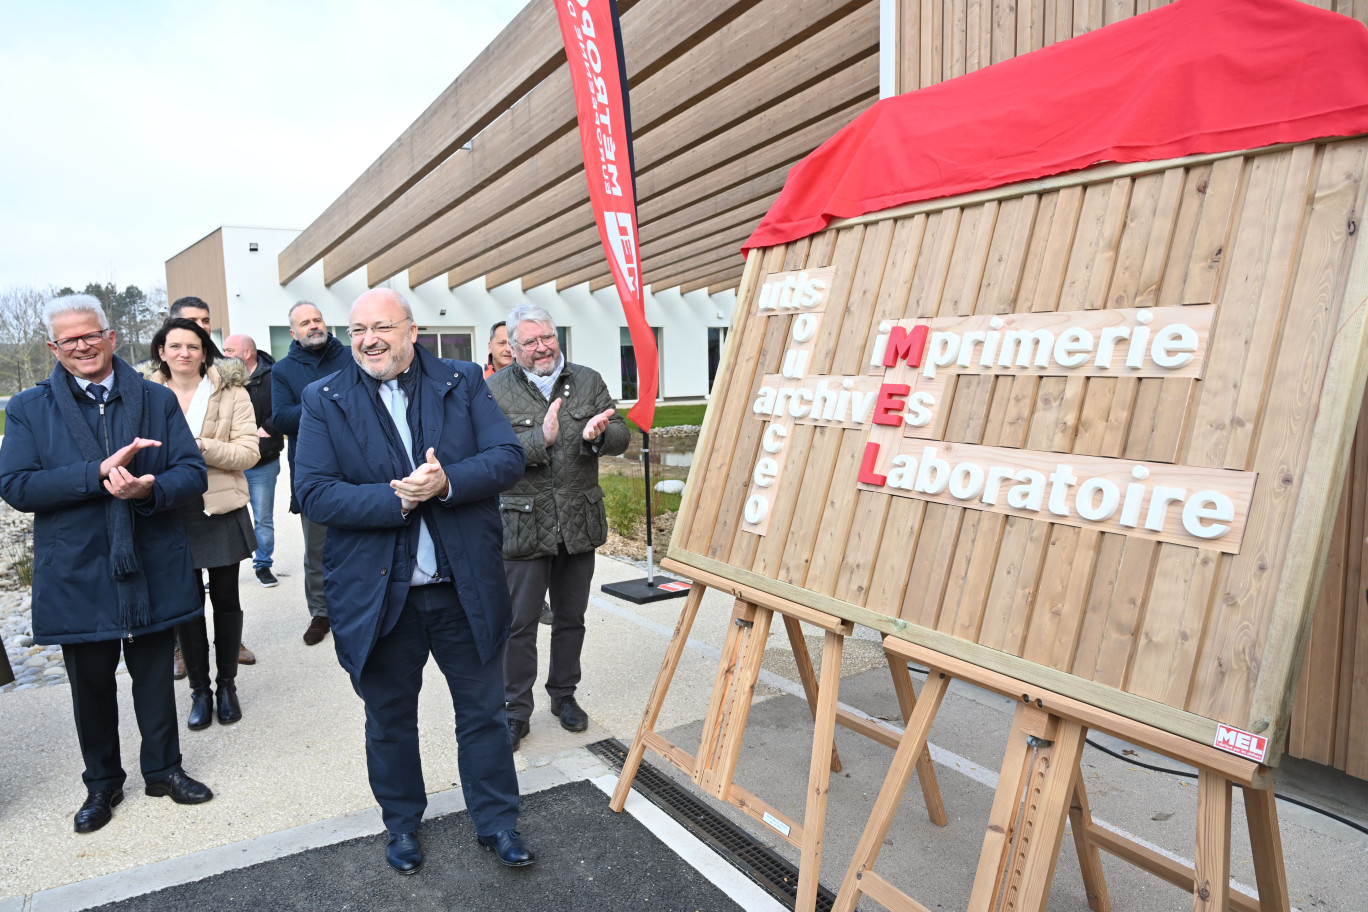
(593, 48)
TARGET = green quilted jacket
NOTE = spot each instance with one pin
(558, 498)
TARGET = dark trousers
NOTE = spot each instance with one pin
(94, 699)
(567, 577)
(433, 621)
(194, 634)
(315, 534)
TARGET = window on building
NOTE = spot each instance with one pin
(563, 334)
(447, 343)
(280, 341)
(717, 340)
(629, 364)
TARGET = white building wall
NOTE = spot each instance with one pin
(257, 302)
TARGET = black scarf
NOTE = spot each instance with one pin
(135, 609)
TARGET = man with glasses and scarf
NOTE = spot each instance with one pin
(554, 516)
(102, 457)
(402, 456)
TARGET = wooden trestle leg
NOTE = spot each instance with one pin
(1211, 882)
(926, 769)
(860, 877)
(1089, 857)
(803, 660)
(657, 699)
(1270, 872)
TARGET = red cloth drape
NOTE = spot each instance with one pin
(1193, 77)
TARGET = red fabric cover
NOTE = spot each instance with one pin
(1192, 77)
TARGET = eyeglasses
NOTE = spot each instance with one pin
(378, 329)
(90, 339)
(537, 341)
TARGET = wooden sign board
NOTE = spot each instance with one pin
(1086, 431)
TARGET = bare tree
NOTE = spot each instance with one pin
(24, 358)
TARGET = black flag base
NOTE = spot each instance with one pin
(641, 591)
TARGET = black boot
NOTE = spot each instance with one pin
(227, 640)
(194, 641)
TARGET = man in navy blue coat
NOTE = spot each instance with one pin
(402, 456)
(99, 456)
(314, 353)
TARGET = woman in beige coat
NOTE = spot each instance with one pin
(219, 411)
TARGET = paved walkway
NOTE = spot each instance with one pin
(291, 775)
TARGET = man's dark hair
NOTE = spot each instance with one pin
(211, 352)
(495, 328)
(181, 304)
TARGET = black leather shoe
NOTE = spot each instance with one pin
(510, 848)
(201, 709)
(403, 853)
(97, 810)
(572, 717)
(180, 788)
(229, 709)
(517, 730)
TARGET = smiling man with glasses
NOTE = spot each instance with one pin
(102, 458)
(402, 456)
(554, 516)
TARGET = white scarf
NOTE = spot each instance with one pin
(548, 383)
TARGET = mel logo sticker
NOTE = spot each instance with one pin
(1241, 743)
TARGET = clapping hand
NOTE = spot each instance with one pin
(551, 423)
(123, 485)
(427, 481)
(597, 425)
(124, 455)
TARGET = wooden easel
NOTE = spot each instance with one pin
(1040, 788)
(714, 766)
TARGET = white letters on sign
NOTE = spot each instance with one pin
(900, 401)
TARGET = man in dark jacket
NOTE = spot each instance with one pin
(314, 353)
(100, 456)
(554, 516)
(402, 456)
(261, 478)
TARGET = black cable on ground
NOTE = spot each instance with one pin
(1186, 775)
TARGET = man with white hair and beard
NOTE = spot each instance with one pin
(402, 456)
(554, 516)
(314, 353)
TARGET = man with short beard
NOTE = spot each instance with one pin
(314, 353)
(402, 455)
(554, 516)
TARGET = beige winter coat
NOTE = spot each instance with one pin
(228, 438)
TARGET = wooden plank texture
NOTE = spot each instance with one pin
(1183, 633)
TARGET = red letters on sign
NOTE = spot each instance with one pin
(889, 407)
(904, 344)
(871, 459)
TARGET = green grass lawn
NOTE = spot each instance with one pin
(672, 415)
(2, 421)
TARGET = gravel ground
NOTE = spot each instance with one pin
(34, 666)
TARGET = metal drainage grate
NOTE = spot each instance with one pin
(758, 862)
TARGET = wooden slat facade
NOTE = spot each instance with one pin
(941, 39)
(199, 270)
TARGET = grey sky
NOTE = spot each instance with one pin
(133, 129)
